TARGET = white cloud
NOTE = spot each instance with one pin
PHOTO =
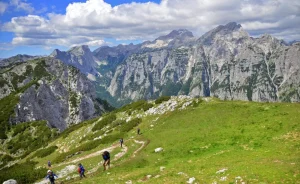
(3, 7)
(20, 5)
(92, 21)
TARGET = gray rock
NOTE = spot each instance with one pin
(11, 181)
(80, 57)
(62, 96)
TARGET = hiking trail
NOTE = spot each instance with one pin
(116, 157)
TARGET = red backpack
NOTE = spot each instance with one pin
(79, 170)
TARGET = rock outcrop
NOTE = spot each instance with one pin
(50, 90)
(80, 57)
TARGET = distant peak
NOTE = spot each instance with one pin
(82, 47)
(179, 33)
(232, 26)
(55, 52)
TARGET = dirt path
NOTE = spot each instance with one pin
(140, 148)
(97, 153)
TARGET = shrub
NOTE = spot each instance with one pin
(30, 136)
(162, 99)
(126, 127)
(133, 106)
(105, 121)
(6, 158)
(146, 106)
(92, 136)
(23, 173)
(65, 133)
(118, 122)
(45, 152)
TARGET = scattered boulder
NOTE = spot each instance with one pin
(191, 180)
(182, 173)
(11, 181)
(128, 182)
(162, 168)
(158, 150)
(224, 178)
(221, 171)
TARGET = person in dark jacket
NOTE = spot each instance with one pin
(81, 170)
(106, 158)
(51, 176)
(49, 164)
(138, 131)
(121, 142)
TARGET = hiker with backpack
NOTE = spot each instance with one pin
(81, 170)
(49, 164)
(138, 131)
(106, 158)
(121, 142)
(51, 176)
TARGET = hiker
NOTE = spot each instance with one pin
(81, 170)
(51, 176)
(106, 158)
(49, 164)
(138, 131)
(121, 142)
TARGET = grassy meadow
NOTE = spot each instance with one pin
(211, 141)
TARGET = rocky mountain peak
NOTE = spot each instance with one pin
(80, 50)
(80, 57)
(231, 26)
(180, 33)
(55, 52)
(231, 31)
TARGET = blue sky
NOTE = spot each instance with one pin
(42, 8)
(37, 27)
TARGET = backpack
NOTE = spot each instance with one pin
(106, 155)
(79, 170)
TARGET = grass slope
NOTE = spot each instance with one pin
(250, 142)
(212, 141)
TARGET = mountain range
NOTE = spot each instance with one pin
(225, 62)
(68, 87)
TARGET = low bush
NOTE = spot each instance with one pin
(30, 136)
(138, 105)
(162, 99)
(118, 122)
(105, 121)
(65, 133)
(5, 159)
(146, 106)
(23, 173)
(45, 152)
(126, 127)
(92, 136)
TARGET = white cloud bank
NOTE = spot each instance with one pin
(92, 21)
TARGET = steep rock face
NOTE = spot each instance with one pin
(53, 91)
(80, 57)
(16, 59)
(225, 62)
